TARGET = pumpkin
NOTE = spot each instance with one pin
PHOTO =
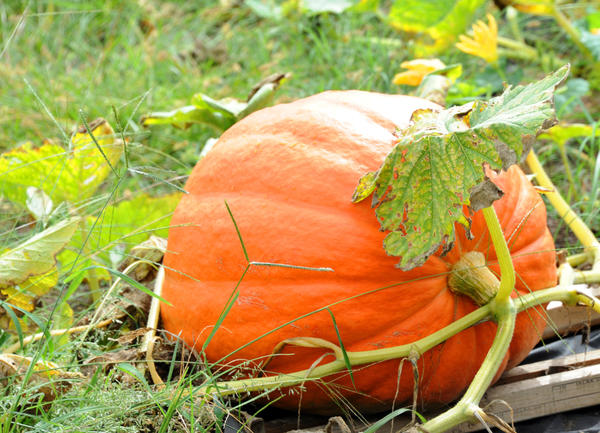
(288, 174)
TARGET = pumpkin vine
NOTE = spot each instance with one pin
(436, 165)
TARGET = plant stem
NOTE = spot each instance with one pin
(580, 258)
(507, 270)
(576, 224)
(465, 409)
(569, 297)
(92, 276)
(355, 358)
(587, 277)
(566, 25)
(565, 159)
(519, 48)
(505, 313)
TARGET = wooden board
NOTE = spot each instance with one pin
(544, 388)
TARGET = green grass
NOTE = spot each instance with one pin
(95, 57)
(59, 59)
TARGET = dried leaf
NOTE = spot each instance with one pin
(52, 378)
(107, 360)
(36, 255)
(150, 251)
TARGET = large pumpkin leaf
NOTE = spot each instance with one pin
(437, 166)
(439, 20)
(62, 174)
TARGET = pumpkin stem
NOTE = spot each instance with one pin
(575, 223)
(471, 277)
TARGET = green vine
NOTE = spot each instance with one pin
(473, 131)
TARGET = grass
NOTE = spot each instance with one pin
(59, 59)
(95, 58)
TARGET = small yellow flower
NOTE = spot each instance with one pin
(533, 7)
(417, 69)
(484, 42)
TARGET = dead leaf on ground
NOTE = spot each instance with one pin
(51, 379)
(130, 302)
(130, 336)
(150, 252)
(109, 359)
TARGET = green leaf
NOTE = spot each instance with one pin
(185, 117)
(124, 224)
(63, 175)
(560, 134)
(437, 166)
(593, 20)
(320, 6)
(441, 21)
(133, 221)
(63, 319)
(266, 10)
(219, 114)
(571, 93)
(366, 187)
(365, 6)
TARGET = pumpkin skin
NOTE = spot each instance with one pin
(288, 173)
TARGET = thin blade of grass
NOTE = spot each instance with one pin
(232, 298)
(237, 229)
(8, 308)
(344, 353)
(160, 180)
(89, 131)
(125, 278)
(390, 416)
(164, 426)
(47, 110)
(285, 265)
(121, 132)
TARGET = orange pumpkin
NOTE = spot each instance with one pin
(288, 173)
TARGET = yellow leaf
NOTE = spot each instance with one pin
(63, 175)
(25, 294)
(417, 69)
(534, 7)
